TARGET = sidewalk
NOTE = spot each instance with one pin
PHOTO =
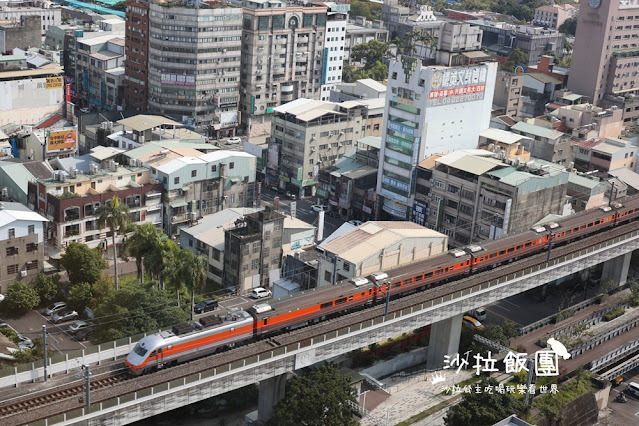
(413, 395)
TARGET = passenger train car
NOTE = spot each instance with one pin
(188, 341)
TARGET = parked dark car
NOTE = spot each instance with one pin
(205, 306)
(290, 195)
(83, 334)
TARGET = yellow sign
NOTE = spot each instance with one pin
(62, 139)
(54, 83)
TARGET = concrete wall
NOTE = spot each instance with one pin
(397, 364)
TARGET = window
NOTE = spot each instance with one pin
(277, 242)
(193, 173)
(31, 229)
(216, 254)
(267, 235)
(256, 247)
(213, 168)
(231, 165)
(12, 269)
(255, 263)
(176, 180)
(328, 277)
(347, 266)
(12, 232)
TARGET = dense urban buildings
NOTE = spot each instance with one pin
(605, 57)
(432, 109)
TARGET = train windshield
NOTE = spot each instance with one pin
(139, 350)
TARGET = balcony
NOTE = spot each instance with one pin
(91, 226)
(71, 233)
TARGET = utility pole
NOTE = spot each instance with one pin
(44, 350)
(612, 191)
(387, 298)
(549, 247)
(87, 377)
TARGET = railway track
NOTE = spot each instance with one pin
(61, 394)
(112, 386)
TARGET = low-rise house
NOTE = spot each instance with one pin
(21, 244)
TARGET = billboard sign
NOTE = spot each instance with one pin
(457, 85)
(419, 212)
(54, 83)
(62, 139)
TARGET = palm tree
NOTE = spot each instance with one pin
(425, 38)
(114, 215)
(193, 272)
(145, 239)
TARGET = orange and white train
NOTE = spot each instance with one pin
(188, 341)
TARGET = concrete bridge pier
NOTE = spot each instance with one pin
(271, 391)
(617, 269)
(444, 340)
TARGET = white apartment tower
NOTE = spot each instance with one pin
(334, 42)
(429, 110)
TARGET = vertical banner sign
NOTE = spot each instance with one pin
(276, 204)
(259, 193)
(293, 209)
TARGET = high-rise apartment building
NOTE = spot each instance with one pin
(194, 62)
(430, 110)
(136, 63)
(282, 57)
(605, 56)
(334, 44)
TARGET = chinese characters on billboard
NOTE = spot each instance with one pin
(453, 86)
(62, 139)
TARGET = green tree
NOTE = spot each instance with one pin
(21, 297)
(370, 52)
(365, 9)
(83, 265)
(48, 287)
(135, 308)
(568, 27)
(565, 61)
(516, 57)
(145, 239)
(317, 398)
(377, 72)
(193, 272)
(568, 45)
(348, 72)
(80, 296)
(115, 215)
(484, 408)
(119, 6)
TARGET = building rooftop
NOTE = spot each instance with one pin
(101, 153)
(210, 229)
(44, 70)
(544, 78)
(375, 85)
(369, 238)
(502, 136)
(588, 143)
(583, 181)
(627, 176)
(11, 212)
(144, 122)
(542, 132)
(611, 145)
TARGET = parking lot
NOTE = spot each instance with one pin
(58, 337)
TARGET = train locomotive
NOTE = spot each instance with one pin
(188, 341)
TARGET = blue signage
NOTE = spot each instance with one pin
(419, 212)
(401, 128)
(395, 183)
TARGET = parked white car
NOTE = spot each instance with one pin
(260, 293)
(233, 141)
(319, 207)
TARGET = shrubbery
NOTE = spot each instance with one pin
(614, 314)
(563, 315)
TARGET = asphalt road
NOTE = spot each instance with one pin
(628, 412)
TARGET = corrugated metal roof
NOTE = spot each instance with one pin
(476, 165)
(370, 238)
(12, 212)
(572, 97)
(374, 141)
(103, 152)
(537, 130)
(627, 176)
(448, 159)
(503, 136)
(144, 122)
(544, 78)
